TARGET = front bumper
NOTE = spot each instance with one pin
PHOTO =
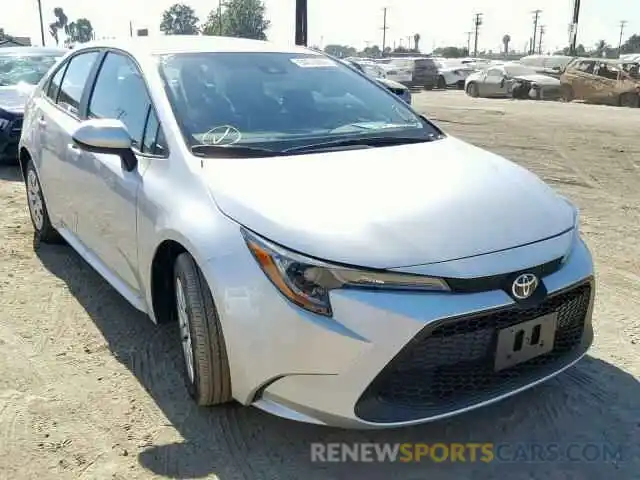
(389, 359)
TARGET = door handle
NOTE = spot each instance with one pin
(42, 122)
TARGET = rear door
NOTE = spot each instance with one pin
(493, 84)
(58, 114)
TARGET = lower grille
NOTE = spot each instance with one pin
(450, 365)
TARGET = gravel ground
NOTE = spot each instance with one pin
(89, 388)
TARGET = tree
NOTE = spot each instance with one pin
(373, 51)
(80, 31)
(179, 19)
(451, 52)
(340, 51)
(60, 23)
(601, 48)
(416, 42)
(632, 45)
(240, 18)
(506, 39)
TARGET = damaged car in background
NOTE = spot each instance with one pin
(21, 68)
(376, 72)
(597, 80)
(512, 80)
(453, 73)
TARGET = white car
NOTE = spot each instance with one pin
(453, 74)
(329, 254)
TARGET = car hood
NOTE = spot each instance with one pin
(390, 207)
(391, 83)
(14, 98)
(539, 79)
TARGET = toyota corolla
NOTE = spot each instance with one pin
(330, 255)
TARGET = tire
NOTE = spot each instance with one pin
(43, 230)
(472, 90)
(206, 371)
(629, 99)
(442, 83)
(567, 93)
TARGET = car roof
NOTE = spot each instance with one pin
(32, 51)
(169, 44)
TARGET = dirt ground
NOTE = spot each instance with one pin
(91, 389)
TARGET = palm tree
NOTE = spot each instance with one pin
(60, 23)
(505, 41)
(416, 42)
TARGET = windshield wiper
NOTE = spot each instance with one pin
(365, 142)
(232, 151)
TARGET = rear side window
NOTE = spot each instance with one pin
(74, 81)
(54, 84)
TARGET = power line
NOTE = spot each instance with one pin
(477, 21)
(536, 16)
(542, 31)
(622, 25)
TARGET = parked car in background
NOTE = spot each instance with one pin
(328, 254)
(597, 80)
(376, 73)
(417, 72)
(501, 80)
(552, 65)
(21, 68)
(452, 73)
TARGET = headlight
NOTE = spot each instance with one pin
(576, 228)
(307, 282)
(3, 123)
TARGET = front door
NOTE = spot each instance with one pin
(107, 208)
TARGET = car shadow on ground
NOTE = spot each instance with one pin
(10, 173)
(592, 403)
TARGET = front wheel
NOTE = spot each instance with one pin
(42, 228)
(472, 90)
(442, 83)
(629, 99)
(207, 374)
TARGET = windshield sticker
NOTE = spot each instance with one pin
(222, 135)
(319, 62)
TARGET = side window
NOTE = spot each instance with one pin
(74, 81)
(54, 83)
(494, 72)
(120, 93)
(586, 67)
(153, 141)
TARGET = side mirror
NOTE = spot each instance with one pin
(108, 136)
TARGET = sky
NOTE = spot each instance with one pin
(359, 22)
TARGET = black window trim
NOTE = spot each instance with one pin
(92, 85)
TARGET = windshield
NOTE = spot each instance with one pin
(15, 69)
(518, 70)
(280, 100)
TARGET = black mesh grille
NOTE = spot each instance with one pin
(450, 365)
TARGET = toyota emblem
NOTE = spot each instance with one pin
(524, 286)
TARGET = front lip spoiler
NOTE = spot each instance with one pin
(281, 409)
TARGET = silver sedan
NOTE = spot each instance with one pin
(330, 255)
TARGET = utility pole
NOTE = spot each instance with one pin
(469, 42)
(574, 27)
(220, 17)
(536, 16)
(301, 22)
(622, 24)
(542, 31)
(477, 21)
(41, 22)
(384, 29)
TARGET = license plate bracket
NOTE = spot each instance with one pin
(524, 341)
